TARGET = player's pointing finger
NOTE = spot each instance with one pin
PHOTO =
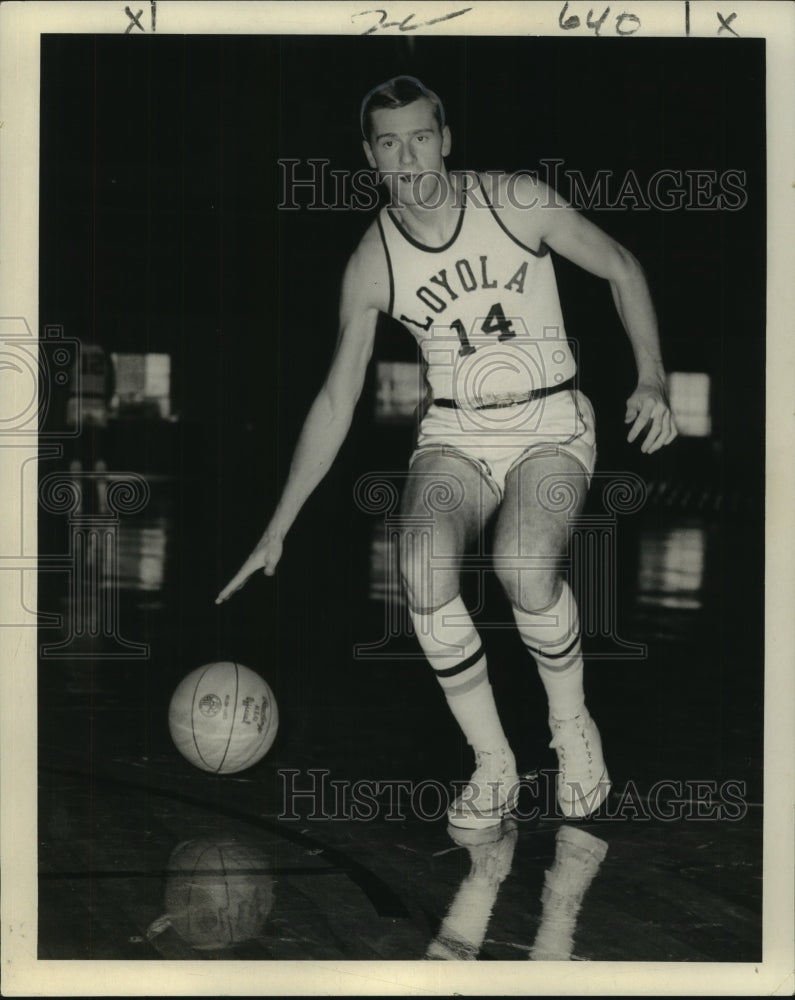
(236, 582)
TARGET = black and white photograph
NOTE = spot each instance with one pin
(396, 448)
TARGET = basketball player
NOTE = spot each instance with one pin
(463, 262)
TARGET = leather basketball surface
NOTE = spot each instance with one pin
(223, 717)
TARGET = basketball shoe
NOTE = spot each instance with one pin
(583, 782)
(490, 793)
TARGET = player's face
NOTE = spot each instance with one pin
(405, 144)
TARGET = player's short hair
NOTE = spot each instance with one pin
(397, 93)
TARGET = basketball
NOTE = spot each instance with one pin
(223, 717)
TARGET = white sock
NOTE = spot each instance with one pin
(553, 638)
(452, 645)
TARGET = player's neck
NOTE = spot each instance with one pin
(433, 224)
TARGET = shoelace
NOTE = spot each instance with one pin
(487, 771)
(572, 744)
(489, 768)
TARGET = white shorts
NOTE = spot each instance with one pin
(497, 440)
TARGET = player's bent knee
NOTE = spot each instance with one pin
(529, 589)
(425, 594)
(426, 589)
(425, 582)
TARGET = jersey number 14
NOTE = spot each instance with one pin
(496, 322)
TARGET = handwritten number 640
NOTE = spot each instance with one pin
(626, 23)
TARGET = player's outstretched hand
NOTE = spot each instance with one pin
(265, 556)
(648, 405)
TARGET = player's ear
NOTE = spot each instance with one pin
(368, 152)
(446, 141)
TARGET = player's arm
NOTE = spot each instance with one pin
(329, 418)
(553, 221)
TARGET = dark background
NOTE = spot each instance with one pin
(160, 232)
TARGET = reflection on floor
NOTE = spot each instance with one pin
(335, 846)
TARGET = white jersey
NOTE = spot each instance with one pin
(484, 307)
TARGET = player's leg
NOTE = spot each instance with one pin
(542, 494)
(445, 504)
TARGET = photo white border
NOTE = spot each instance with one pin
(21, 24)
